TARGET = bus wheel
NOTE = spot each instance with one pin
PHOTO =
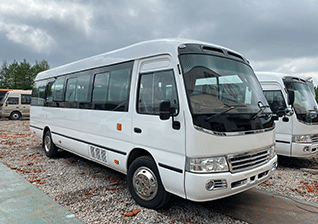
(49, 147)
(145, 185)
(15, 115)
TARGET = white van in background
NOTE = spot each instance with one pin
(16, 104)
(177, 116)
(291, 98)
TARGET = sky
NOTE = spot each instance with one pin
(278, 36)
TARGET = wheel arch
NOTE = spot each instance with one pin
(46, 128)
(15, 111)
(136, 153)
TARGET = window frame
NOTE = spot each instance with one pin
(138, 91)
(273, 91)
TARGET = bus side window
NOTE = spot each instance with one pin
(13, 100)
(100, 87)
(25, 99)
(154, 88)
(70, 90)
(82, 88)
(118, 93)
(38, 93)
(49, 92)
(58, 90)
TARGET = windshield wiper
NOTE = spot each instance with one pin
(231, 107)
(262, 108)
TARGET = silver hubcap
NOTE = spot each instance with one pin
(145, 183)
(47, 143)
(15, 116)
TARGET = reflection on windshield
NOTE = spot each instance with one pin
(219, 88)
(4, 98)
(305, 104)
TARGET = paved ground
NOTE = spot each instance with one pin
(257, 206)
(21, 202)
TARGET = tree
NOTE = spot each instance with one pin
(20, 75)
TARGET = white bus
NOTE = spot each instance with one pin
(16, 104)
(177, 116)
(292, 99)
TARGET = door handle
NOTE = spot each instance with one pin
(137, 130)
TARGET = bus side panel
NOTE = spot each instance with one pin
(77, 130)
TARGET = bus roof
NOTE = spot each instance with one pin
(136, 51)
(7, 89)
(271, 76)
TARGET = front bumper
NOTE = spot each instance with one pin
(195, 184)
(304, 149)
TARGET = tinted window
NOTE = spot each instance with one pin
(154, 88)
(119, 85)
(57, 90)
(70, 90)
(82, 88)
(111, 89)
(25, 99)
(275, 100)
(100, 87)
(38, 93)
(13, 100)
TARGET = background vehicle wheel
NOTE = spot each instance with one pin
(145, 185)
(15, 115)
(49, 147)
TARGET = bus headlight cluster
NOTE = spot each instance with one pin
(302, 138)
(207, 165)
(272, 152)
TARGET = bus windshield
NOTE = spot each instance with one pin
(4, 98)
(224, 95)
(305, 104)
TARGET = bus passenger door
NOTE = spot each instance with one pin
(12, 104)
(274, 95)
(165, 142)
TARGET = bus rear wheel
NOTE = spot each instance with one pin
(49, 147)
(145, 185)
(15, 115)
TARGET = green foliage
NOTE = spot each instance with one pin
(20, 75)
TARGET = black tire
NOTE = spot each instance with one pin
(143, 172)
(15, 115)
(48, 145)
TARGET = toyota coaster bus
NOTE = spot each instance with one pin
(177, 116)
(292, 99)
(15, 104)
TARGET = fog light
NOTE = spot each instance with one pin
(306, 149)
(274, 166)
(209, 185)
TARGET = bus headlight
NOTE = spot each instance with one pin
(272, 152)
(302, 138)
(207, 165)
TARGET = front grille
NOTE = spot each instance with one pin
(314, 138)
(249, 160)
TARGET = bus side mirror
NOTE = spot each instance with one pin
(164, 108)
(289, 111)
(291, 97)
